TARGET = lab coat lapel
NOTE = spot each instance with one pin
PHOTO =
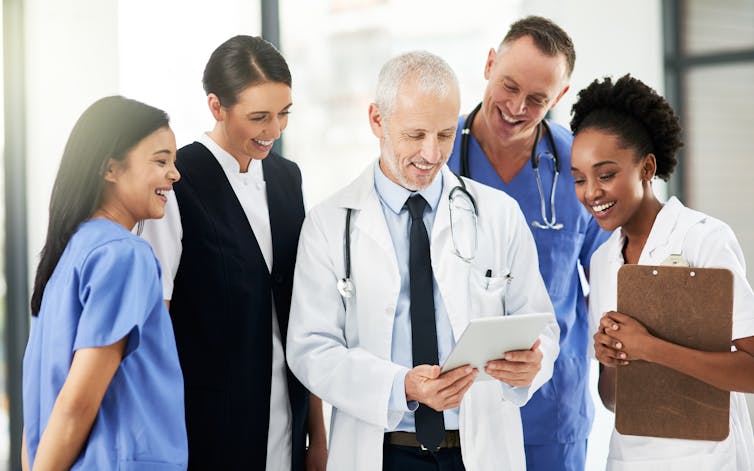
(374, 267)
(368, 218)
(659, 235)
(669, 232)
(451, 272)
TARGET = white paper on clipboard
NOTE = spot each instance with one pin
(488, 338)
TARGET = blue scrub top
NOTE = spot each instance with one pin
(561, 411)
(107, 286)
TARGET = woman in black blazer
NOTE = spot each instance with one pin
(228, 248)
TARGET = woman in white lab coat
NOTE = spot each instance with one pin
(340, 347)
(625, 135)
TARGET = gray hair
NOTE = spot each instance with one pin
(433, 75)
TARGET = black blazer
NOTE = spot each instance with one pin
(221, 311)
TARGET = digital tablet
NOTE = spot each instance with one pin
(488, 338)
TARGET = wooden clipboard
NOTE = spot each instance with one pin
(687, 306)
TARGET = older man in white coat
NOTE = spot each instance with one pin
(390, 270)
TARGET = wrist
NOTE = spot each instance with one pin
(652, 349)
(408, 387)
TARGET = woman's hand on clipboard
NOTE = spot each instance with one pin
(620, 339)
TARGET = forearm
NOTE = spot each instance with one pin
(24, 453)
(606, 386)
(316, 453)
(65, 434)
(77, 405)
(729, 371)
(316, 425)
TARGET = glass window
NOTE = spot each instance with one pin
(717, 26)
(335, 50)
(717, 130)
(4, 403)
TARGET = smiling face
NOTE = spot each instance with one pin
(523, 83)
(416, 139)
(136, 187)
(612, 181)
(248, 129)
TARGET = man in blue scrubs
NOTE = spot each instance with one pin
(526, 77)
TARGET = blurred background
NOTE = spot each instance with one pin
(59, 56)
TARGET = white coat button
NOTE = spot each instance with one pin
(390, 310)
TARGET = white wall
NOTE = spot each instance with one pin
(80, 50)
(71, 60)
(162, 54)
(611, 38)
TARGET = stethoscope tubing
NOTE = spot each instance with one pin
(547, 223)
(345, 285)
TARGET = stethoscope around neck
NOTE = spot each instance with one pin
(463, 231)
(547, 223)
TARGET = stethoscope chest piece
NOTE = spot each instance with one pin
(345, 287)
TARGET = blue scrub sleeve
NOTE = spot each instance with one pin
(116, 282)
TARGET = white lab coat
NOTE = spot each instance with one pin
(340, 348)
(703, 241)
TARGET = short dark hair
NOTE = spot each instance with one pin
(107, 130)
(240, 62)
(636, 114)
(549, 38)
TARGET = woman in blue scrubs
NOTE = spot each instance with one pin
(102, 385)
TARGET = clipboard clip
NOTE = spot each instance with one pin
(675, 260)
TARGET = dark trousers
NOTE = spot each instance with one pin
(402, 458)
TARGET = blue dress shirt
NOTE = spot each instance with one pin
(393, 199)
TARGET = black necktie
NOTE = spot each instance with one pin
(430, 426)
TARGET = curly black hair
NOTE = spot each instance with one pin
(636, 114)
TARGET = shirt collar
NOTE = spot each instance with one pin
(228, 162)
(394, 196)
(659, 234)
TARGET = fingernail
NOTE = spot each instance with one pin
(468, 369)
(618, 345)
(622, 355)
(614, 326)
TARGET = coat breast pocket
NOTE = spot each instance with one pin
(487, 293)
